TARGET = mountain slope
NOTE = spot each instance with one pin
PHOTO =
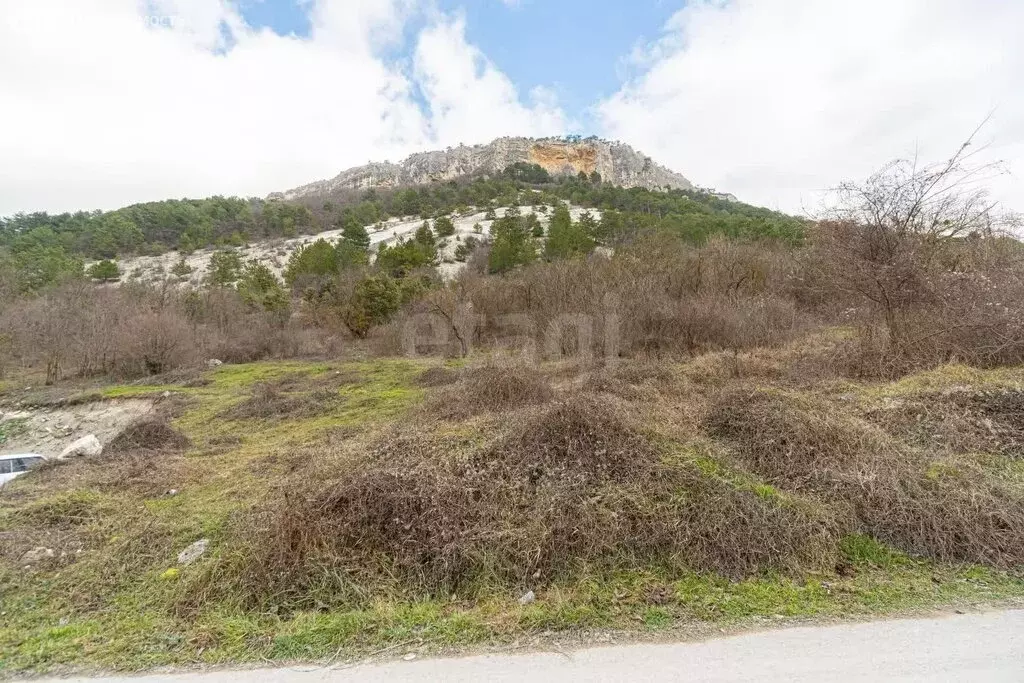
(615, 162)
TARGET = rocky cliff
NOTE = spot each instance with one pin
(615, 162)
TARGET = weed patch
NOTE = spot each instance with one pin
(268, 402)
(492, 388)
(570, 484)
(806, 445)
(150, 436)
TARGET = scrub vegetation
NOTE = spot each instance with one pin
(722, 432)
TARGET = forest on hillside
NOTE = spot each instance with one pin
(41, 249)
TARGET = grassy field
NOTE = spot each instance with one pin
(388, 505)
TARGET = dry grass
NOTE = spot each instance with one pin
(149, 436)
(638, 381)
(437, 376)
(146, 460)
(890, 491)
(491, 388)
(962, 421)
(138, 472)
(567, 485)
(329, 380)
(794, 438)
(268, 402)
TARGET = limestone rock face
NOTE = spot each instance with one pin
(617, 163)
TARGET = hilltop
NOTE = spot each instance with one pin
(178, 237)
(613, 162)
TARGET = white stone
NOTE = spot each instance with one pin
(193, 552)
(88, 446)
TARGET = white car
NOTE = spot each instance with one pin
(12, 466)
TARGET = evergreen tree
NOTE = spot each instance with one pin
(565, 238)
(424, 235)
(405, 256)
(313, 261)
(374, 300)
(533, 224)
(355, 234)
(444, 227)
(224, 269)
(260, 288)
(350, 255)
(512, 243)
(612, 228)
(104, 271)
(588, 224)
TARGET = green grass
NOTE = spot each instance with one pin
(951, 378)
(10, 429)
(114, 607)
(883, 582)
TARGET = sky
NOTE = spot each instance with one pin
(108, 102)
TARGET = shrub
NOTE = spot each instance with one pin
(181, 269)
(463, 250)
(569, 484)
(892, 493)
(104, 271)
(492, 388)
(150, 436)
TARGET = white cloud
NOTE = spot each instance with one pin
(470, 100)
(107, 102)
(775, 100)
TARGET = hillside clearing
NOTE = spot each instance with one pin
(276, 252)
(353, 506)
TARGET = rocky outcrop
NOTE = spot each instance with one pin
(617, 163)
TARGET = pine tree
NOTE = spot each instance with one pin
(565, 238)
(512, 243)
(104, 271)
(354, 233)
(444, 227)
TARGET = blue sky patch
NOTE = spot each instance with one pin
(577, 48)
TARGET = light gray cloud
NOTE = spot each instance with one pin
(108, 102)
(775, 100)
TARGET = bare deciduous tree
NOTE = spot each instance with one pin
(889, 240)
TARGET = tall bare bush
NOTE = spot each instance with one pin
(919, 255)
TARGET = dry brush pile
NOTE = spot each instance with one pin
(543, 489)
(872, 478)
(506, 481)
